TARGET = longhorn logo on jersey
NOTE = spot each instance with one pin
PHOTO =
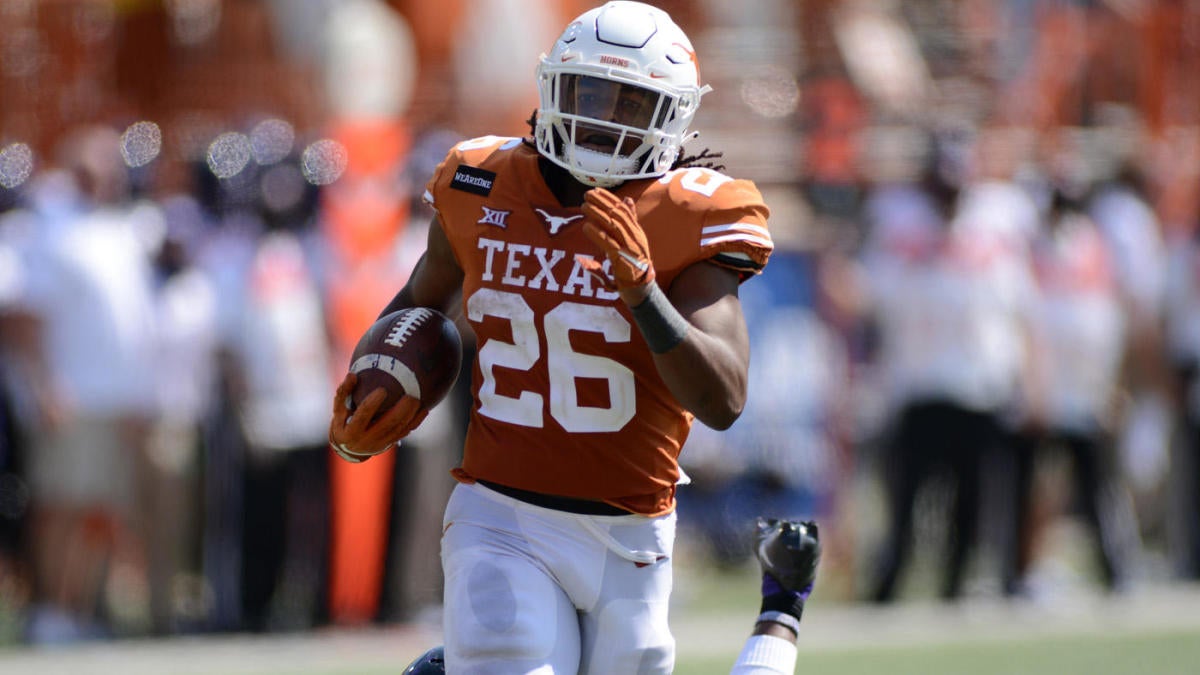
(556, 223)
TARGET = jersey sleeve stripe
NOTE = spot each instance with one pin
(738, 236)
(714, 229)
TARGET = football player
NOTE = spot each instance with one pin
(598, 267)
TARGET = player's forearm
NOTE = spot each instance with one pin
(401, 300)
(706, 377)
(700, 348)
(434, 284)
(436, 279)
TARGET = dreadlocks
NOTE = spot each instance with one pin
(702, 159)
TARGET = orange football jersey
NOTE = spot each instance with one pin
(567, 398)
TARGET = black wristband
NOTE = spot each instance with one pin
(661, 324)
(786, 602)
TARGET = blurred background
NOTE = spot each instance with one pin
(975, 349)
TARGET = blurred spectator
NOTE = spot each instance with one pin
(224, 253)
(16, 326)
(185, 358)
(1121, 207)
(833, 116)
(1080, 338)
(949, 288)
(277, 374)
(1183, 348)
(90, 287)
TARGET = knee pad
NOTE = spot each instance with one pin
(505, 614)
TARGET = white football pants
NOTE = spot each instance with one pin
(534, 590)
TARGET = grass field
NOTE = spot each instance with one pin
(1177, 653)
(1151, 630)
(1154, 630)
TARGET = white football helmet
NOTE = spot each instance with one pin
(617, 92)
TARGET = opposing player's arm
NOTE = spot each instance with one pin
(436, 281)
(707, 370)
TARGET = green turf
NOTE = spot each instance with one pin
(1150, 654)
(1156, 632)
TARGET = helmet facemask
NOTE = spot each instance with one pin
(605, 131)
(617, 93)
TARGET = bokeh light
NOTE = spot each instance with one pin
(324, 161)
(229, 154)
(141, 143)
(773, 93)
(271, 140)
(16, 164)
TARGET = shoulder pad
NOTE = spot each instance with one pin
(733, 218)
(462, 168)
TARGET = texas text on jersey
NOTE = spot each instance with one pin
(561, 374)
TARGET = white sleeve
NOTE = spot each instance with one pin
(766, 655)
